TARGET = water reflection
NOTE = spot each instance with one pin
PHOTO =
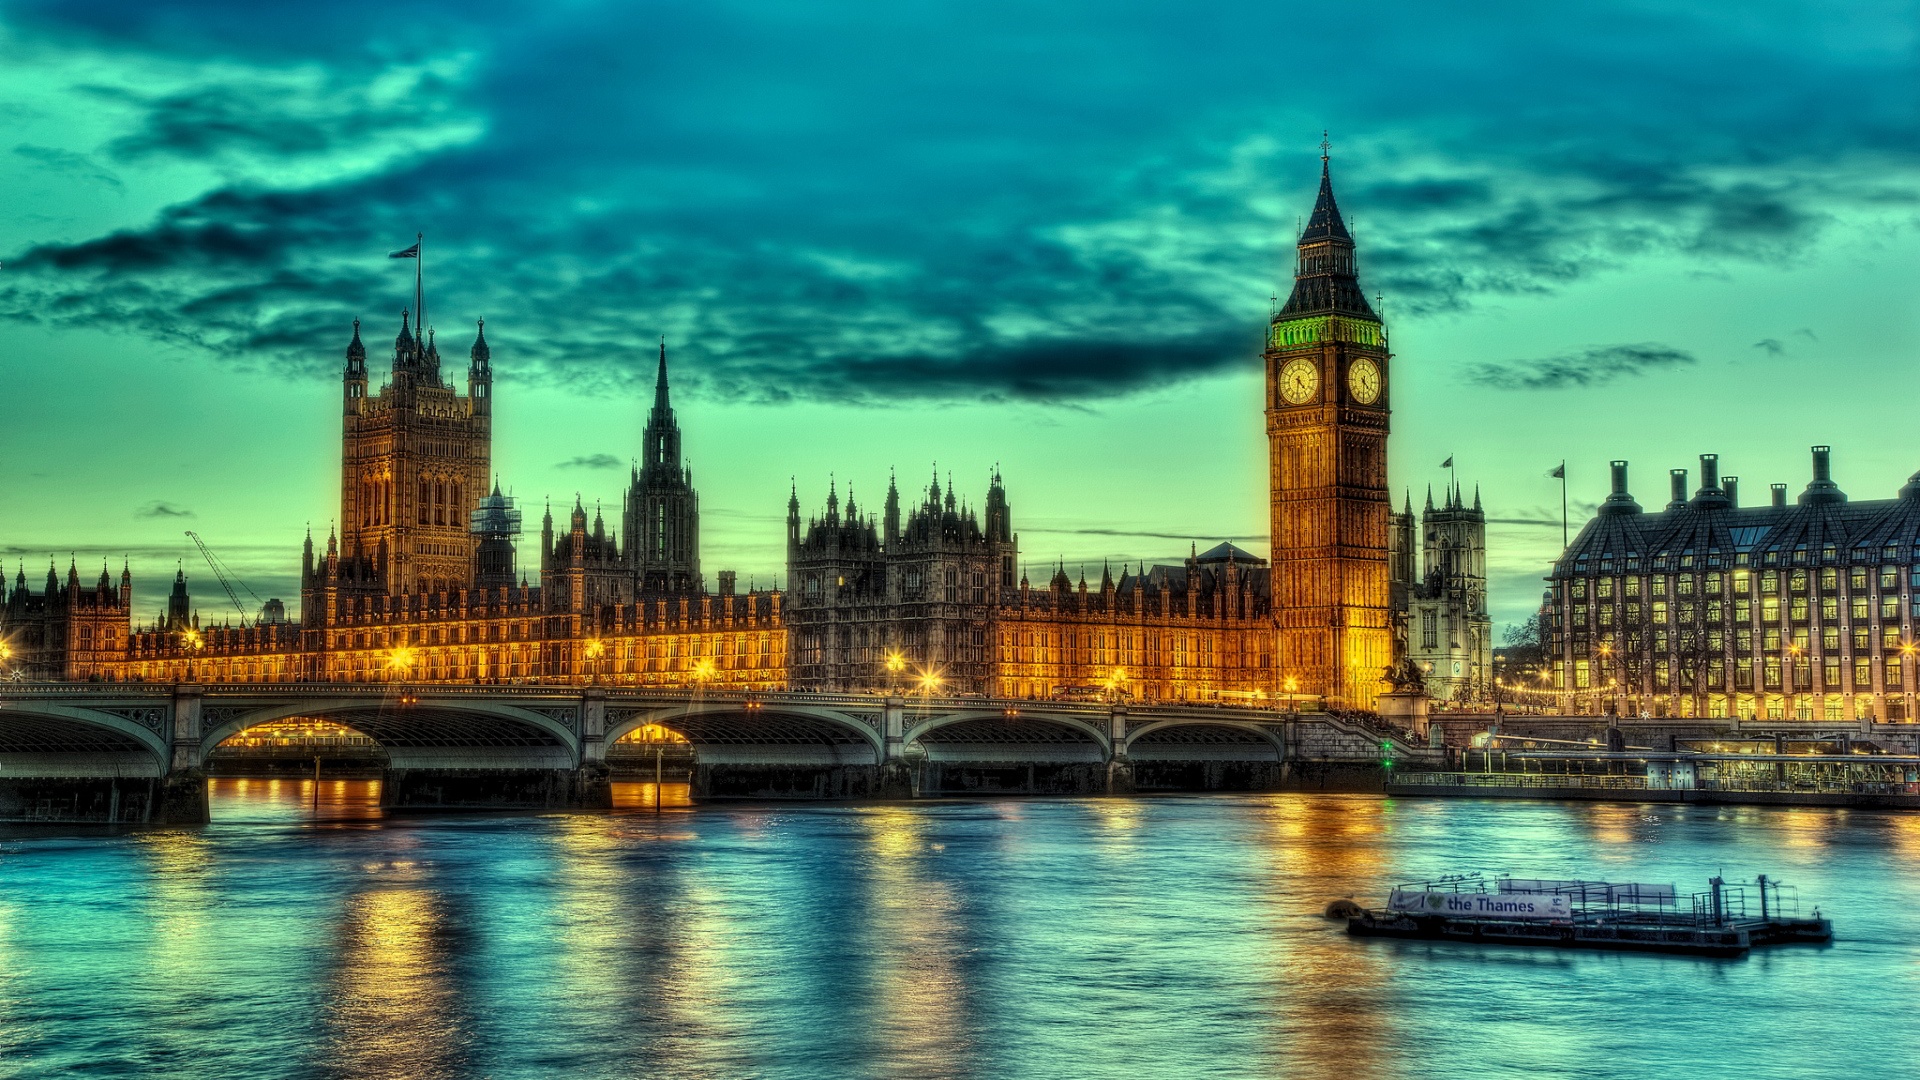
(646, 796)
(1163, 937)
(914, 948)
(285, 799)
(1328, 1001)
(393, 1009)
(16, 1023)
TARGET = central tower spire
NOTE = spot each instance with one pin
(663, 510)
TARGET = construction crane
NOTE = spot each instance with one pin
(220, 570)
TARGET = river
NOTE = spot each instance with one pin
(1173, 937)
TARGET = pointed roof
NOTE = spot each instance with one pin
(1227, 551)
(480, 352)
(660, 404)
(355, 350)
(1325, 222)
(1325, 281)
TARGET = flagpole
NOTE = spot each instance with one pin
(419, 284)
(1563, 504)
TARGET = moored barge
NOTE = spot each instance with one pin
(1723, 920)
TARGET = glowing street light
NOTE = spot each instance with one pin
(895, 664)
(400, 660)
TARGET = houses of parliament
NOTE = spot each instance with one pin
(423, 580)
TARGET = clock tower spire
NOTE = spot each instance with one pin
(1327, 387)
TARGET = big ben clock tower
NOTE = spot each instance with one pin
(1328, 389)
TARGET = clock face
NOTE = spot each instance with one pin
(1363, 378)
(1298, 380)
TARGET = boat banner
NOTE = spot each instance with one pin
(1481, 905)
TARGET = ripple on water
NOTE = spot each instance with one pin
(1164, 937)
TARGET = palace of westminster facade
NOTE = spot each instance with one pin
(420, 584)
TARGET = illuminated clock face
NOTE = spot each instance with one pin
(1363, 378)
(1298, 380)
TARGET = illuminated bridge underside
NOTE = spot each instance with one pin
(774, 737)
(58, 746)
(1203, 742)
(455, 739)
(997, 739)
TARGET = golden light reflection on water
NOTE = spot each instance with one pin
(240, 798)
(672, 796)
(591, 886)
(1329, 1000)
(178, 898)
(919, 994)
(393, 1009)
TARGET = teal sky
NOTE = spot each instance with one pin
(973, 234)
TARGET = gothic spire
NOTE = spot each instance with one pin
(660, 404)
(355, 350)
(1325, 224)
(1325, 280)
(480, 353)
(662, 436)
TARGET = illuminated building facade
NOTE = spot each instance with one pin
(935, 594)
(1439, 577)
(1198, 630)
(1327, 410)
(66, 632)
(414, 463)
(1801, 610)
(420, 585)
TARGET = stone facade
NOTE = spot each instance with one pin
(1707, 608)
(1440, 595)
(1327, 412)
(66, 632)
(936, 595)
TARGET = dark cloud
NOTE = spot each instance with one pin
(161, 509)
(591, 461)
(1770, 346)
(861, 208)
(1589, 367)
(68, 163)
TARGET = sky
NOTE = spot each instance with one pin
(884, 236)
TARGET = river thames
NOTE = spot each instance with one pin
(1152, 937)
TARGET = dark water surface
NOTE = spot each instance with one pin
(1165, 937)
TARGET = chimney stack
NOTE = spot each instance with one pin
(1779, 496)
(1731, 485)
(1679, 477)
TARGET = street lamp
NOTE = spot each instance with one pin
(896, 664)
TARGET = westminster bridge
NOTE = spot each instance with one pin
(139, 752)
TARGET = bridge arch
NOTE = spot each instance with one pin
(51, 739)
(978, 729)
(739, 732)
(1206, 736)
(430, 733)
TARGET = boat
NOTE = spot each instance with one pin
(1724, 920)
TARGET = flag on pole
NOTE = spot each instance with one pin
(1559, 471)
(1447, 464)
(411, 253)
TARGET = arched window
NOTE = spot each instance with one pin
(426, 501)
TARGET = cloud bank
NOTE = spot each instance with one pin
(876, 204)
